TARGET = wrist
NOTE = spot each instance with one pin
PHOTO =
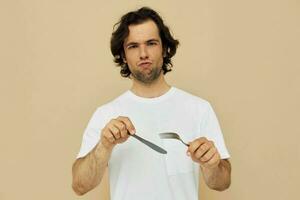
(102, 151)
(211, 168)
(106, 145)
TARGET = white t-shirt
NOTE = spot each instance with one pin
(137, 172)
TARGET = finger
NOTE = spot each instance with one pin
(196, 144)
(204, 148)
(121, 140)
(208, 155)
(108, 136)
(214, 161)
(122, 128)
(114, 130)
(118, 133)
(128, 124)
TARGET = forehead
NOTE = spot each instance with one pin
(142, 32)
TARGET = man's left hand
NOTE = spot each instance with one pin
(204, 152)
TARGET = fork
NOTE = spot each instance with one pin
(171, 135)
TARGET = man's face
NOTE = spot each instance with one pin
(144, 52)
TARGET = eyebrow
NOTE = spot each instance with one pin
(135, 43)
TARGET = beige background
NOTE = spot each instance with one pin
(56, 68)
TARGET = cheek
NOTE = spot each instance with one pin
(130, 60)
(129, 66)
(160, 61)
(130, 55)
(159, 57)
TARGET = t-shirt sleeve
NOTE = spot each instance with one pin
(210, 128)
(92, 133)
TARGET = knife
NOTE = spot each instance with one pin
(150, 144)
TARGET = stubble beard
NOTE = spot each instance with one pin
(147, 77)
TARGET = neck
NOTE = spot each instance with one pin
(154, 89)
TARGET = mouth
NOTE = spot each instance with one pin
(145, 64)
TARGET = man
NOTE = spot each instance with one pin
(143, 46)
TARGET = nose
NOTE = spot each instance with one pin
(143, 52)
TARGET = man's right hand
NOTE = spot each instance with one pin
(116, 131)
(88, 171)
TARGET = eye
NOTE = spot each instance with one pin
(152, 43)
(132, 46)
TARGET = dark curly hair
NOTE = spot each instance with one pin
(139, 16)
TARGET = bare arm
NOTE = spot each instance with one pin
(88, 171)
(218, 178)
(216, 172)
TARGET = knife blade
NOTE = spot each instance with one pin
(150, 144)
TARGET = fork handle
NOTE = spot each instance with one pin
(185, 143)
